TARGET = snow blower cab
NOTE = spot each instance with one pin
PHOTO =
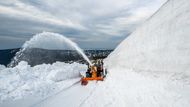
(94, 72)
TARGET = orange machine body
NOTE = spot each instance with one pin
(84, 80)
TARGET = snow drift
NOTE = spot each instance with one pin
(161, 44)
(42, 80)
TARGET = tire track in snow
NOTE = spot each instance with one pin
(64, 89)
(91, 92)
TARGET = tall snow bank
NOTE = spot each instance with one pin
(41, 80)
(162, 43)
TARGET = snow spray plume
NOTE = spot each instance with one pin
(48, 40)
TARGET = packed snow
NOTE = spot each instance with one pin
(148, 69)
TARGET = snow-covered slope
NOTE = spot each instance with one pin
(161, 44)
(148, 69)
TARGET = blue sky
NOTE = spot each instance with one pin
(90, 23)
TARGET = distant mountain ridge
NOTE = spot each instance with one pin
(35, 56)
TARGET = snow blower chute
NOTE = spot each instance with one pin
(94, 72)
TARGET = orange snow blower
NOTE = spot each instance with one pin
(94, 72)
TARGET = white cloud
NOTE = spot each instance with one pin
(89, 19)
(24, 11)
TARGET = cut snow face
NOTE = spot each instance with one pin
(157, 56)
(41, 80)
(161, 44)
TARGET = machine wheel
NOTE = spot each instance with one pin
(84, 82)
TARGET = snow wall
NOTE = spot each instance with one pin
(161, 44)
